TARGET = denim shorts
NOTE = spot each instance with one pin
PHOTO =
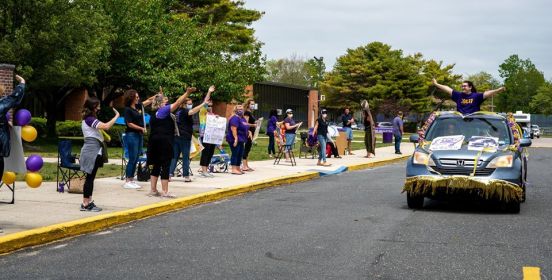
(348, 132)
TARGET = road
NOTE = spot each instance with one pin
(350, 226)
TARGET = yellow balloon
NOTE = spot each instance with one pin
(8, 177)
(28, 133)
(33, 179)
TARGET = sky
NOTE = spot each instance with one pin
(476, 35)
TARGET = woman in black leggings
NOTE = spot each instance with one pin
(248, 106)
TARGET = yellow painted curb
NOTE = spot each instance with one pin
(42, 235)
(361, 166)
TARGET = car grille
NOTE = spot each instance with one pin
(464, 171)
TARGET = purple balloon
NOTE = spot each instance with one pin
(22, 117)
(34, 163)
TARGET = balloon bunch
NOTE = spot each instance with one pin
(34, 162)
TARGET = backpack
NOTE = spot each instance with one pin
(143, 172)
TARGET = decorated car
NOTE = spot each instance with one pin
(480, 155)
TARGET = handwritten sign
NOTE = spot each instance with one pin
(215, 129)
(480, 143)
(447, 143)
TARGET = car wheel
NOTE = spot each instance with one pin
(513, 207)
(414, 202)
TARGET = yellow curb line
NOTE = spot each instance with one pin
(361, 166)
(55, 232)
(42, 235)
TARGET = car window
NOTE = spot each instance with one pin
(470, 127)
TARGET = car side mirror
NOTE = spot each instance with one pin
(524, 142)
(414, 138)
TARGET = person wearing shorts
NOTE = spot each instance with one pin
(348, 120)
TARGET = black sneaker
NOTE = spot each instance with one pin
(91, 207)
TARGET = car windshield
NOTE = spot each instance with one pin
(470, 127)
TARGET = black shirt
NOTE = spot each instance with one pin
(345, 119)
(250, 121)
(185, 123)
(322, 127)
(133, 116)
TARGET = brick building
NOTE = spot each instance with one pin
(6, 77)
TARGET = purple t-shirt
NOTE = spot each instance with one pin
(271, 126)
(163, 112)
(291, 123)
(467, 103)
(242, 127)
(397, 124)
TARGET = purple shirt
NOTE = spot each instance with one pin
(291, 123)
(91, 121)
(271, 126)
(240, 124)
(163, 112)
(397, 124)
(467, 103)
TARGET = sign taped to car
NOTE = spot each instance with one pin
(478, 143)
(447, 143)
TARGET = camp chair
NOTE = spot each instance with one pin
(124, 157)
(10, 188)
(67, 166)
(283, 147)
(308, 146)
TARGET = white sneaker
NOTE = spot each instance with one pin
(131, 185)
(137, 186)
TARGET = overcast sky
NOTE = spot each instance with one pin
(475, 35)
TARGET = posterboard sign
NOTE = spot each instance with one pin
(215, 129)
(16, 161)
(478, 143)
(258, 124)
(447, 143)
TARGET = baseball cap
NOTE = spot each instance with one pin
(323, 111)
(289, 111)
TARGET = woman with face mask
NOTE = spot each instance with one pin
(161, 140)
(183, 139)
(236, 136)
(321, 131)
(291, 129)
(248, 106)
(208, 148)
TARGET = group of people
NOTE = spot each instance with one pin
(171, 130)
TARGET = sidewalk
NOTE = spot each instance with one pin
(44, 206)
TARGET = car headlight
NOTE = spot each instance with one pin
(422, 158)
(501, 161)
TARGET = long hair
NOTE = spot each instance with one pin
(247, 102)
(274, 113)
(129, 96)
(89, 107)
(470, 83)
(2, 90)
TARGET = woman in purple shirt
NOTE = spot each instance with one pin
(236, 136)
(270, 127)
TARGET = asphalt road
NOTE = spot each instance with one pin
(350, 226)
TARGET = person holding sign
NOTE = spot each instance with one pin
(183, 140)
(291, 130)
(469, 100)
(236, 137)
(208, 148)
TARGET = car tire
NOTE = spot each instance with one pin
(414, 202)
(513, 207)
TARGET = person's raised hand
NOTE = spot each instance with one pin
(433, 81)
(190, 89)
(116, 112)
(211, 89)
(20, 79)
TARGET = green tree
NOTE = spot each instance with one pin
(542, 101)
(316, 68)
(56, 45)
(292, 70)
(232, 15)
(485, 81)
(444, 74)
(521, 79)
(389, 80)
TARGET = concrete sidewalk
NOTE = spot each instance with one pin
(35, 208)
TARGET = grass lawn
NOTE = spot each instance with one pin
(47, 147)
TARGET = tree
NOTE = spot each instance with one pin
(236, 19)
(290, 70)
(542, 101)
(316, 68)
(521, 79)
(56, 45)
(385, 77)
(484, 81)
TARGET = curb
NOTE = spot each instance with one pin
(43, 235)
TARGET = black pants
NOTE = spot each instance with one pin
(1, 166)
(247, 148)
(271, 149)
(161, 169)
(207, 154)
(88, 187)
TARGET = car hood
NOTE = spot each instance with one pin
(464, 153)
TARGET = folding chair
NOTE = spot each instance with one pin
(67, 166)
(124, 157)
(12, 189)
(283, 147)
(219, 163)
(306, 147)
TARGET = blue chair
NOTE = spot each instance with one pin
(67, 166)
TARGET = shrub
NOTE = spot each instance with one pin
(411, 127)
(40, 125)
(69, 128)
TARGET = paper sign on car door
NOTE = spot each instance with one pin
(446, 143)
